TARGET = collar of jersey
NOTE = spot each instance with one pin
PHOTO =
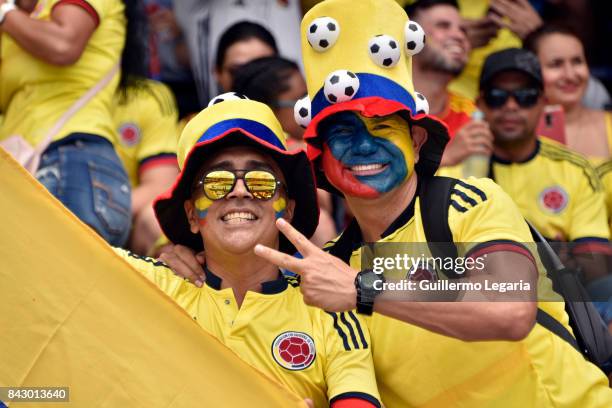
(352, 238)
(529, 158)
(267, 288)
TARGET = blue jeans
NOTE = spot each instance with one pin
(85, 174)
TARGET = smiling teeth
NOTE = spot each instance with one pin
(239, 216)
(454, 48)
(364, 167)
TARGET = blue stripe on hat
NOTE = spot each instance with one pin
(255, 128)
(370, 85)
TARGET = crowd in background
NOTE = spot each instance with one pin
(116, 153)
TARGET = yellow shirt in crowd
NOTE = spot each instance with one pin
(605, 174)
(419, 368)
(318, 355)
(146, 120)
(556, 189)
(34, 94)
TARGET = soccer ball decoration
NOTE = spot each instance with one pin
(340, 86)
(414, 36)
(301, 111)
(322, 33)
(384, 50)
(422, 106)
(228, 96)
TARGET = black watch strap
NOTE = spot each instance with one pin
(366, 290)
(365, 307)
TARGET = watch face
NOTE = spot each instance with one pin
(368, 279)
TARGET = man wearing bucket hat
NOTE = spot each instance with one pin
(236, 179)
(370, 138)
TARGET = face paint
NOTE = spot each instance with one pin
(366, 157)
(202, 205)
(279, 206)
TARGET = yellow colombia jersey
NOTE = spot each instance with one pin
(556, 189)
(418, 368)
(318, 355)
(146, 120)
(605, 174)
(34, 94)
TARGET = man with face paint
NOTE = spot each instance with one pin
(237, 178)
(371, 140)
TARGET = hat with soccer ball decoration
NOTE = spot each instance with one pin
(358, 57)
(233, 120)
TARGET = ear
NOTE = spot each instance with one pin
(289, 211)
(419, 137)
(194, 226)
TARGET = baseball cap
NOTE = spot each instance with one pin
(511, 59)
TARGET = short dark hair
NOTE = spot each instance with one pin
(419, 5)
(264, 79)
(243, 31)
(532, 42)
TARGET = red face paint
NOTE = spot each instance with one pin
(344, 180)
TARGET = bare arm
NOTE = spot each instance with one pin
(328, 283)
(60, 41)
(479, 315)
(153, 182)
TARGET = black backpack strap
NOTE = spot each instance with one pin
(552, 324)
(434, 195)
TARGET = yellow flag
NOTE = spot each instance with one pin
(74, 314)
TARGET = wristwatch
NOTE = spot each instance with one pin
(369, 285)
(5, 8)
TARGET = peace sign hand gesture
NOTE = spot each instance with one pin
(326, 281)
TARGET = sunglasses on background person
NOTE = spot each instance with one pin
(524, 97)
(217, 184)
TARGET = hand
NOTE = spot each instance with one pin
(475, 137)
(480, 32)
(185, 263)
(309, 403)
(164, 24)
(522, 19)
(326, 281)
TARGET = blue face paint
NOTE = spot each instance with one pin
(352, 142)
(202, 205)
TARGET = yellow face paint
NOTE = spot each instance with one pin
(396, 130)
(279, 205)
(202, 205)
